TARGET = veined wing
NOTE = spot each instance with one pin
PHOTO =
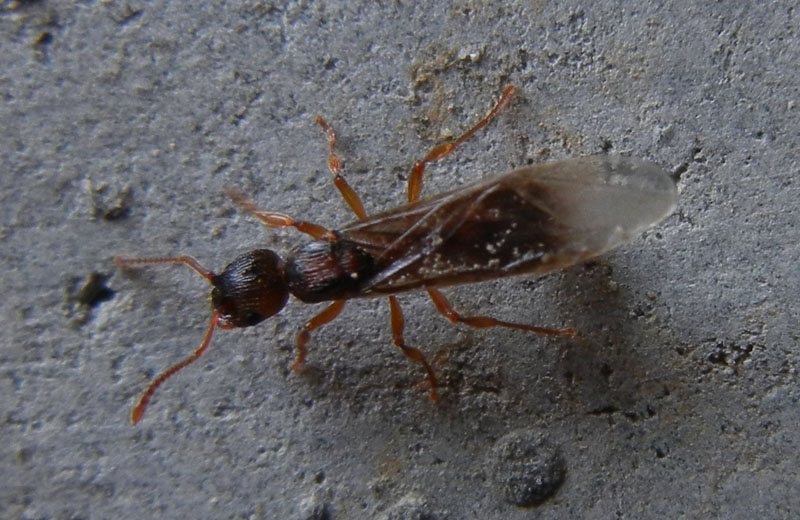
(531, 220)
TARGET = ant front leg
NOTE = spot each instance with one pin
(444, 149)
(275, 219)
(326, 316)
(335, 166)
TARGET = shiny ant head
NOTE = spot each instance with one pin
(250, 289)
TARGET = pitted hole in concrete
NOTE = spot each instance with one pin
(93, 292)
(527, 468)
(83, 295)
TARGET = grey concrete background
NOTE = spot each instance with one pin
(123, 122)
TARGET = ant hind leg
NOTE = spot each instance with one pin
(482, 322)
(444, 149)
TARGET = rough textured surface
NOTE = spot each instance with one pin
(123, 122)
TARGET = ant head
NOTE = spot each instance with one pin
(250, 289)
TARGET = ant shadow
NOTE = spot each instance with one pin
(610, 366)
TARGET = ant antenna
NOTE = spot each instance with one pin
(138, 410)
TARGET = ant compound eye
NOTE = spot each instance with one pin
(253, 318)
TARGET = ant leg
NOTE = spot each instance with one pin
(482, 322)
(335, 166)
(330, 312)
(275, 219)
(411, 353)
(444, 149)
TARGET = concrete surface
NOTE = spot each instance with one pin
(122, 124)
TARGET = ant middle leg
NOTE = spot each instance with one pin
(444, 149)
(411, 353)
(482, 322)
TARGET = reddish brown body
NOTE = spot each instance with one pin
(531, 220)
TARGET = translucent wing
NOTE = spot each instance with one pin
(531, 220)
